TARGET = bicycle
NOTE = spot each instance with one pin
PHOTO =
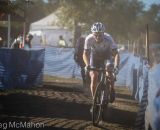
(102, 90)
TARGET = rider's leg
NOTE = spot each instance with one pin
(112, 92)
(112, 85)
(83, 76)
(116, 60)
(94, 79)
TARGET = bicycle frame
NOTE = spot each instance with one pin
(101, 89)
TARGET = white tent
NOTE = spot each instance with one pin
(46, 31)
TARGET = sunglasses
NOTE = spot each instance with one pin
(98, 34)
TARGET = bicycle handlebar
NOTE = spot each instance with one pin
(102, 70)
(97, 69)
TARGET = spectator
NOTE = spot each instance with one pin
(18, 42)
(27, 43)
(78, 57)
(1, 42)
(62, 42)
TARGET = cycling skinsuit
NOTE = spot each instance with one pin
(99, 52)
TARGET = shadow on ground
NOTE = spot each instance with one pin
(18, 104)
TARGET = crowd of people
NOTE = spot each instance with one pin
(25, 43)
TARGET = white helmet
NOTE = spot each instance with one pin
(97, 27)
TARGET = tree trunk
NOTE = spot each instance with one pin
(76, 33)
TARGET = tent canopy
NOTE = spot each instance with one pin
(48, 22)
(48, 31)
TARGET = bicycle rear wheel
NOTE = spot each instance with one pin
(97, 109)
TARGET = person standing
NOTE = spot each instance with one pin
(1, 42)
(27, 43)
(18, 42)
(62, 42)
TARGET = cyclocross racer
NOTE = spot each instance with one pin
(97, 52)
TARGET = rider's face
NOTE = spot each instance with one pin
(98, 36)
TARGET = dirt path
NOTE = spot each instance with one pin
(56, 107)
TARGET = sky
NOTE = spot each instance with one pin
(150, 2)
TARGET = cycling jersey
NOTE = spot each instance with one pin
(99, 52)
(114, 45)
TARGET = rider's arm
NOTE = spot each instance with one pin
(116, 55)
(117, 59)
(86, 57)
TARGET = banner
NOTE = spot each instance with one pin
(60, 62)
(21, 68)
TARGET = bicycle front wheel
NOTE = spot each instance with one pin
(97, 109)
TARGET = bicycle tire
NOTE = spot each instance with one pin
(105, 106)
(97, 109)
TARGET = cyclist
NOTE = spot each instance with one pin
(97, 51)
(78, 57)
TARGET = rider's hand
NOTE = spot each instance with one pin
(116, 70)
(87, 67)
